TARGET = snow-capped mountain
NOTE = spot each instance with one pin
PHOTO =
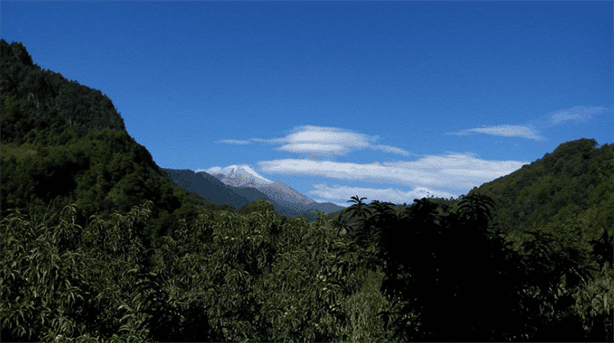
(242, 176)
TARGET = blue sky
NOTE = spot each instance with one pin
(385, 100)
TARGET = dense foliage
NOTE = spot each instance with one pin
(98, 244)
(227, 277)
(262, 277)
(442, 266)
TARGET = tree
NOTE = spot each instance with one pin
(438, 265)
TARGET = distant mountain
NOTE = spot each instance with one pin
(284, 194)
(249, 187)
(242, 177)
(327, 207)
(207, 186)
(284, 199)
(211, 188)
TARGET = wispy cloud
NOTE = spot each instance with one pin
(234, 141)
(392, 149)
(503, 130)
(532, 129)
(454, 170)
(325, 141)
(423, 176)
(578, 113)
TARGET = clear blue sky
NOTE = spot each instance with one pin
(386, 101)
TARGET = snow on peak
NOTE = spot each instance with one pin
(246, 173)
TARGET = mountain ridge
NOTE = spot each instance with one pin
(278, 191)
(278, 194)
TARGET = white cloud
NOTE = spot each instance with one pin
(393, 195)
(212, 170)
(233, 141)
(309, 139)
(453, 170)
(503, 130)
(531, 130)
(336, 149)
(577, 113)
(458, 171)
(391, 149)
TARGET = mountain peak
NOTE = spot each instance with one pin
(241, 176)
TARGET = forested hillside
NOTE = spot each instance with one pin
(77, 146)
(99, 244)
(576, 180)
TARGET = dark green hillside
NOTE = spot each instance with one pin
(63, 143)
(576, 178)
(568, 193)
(38, 105)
